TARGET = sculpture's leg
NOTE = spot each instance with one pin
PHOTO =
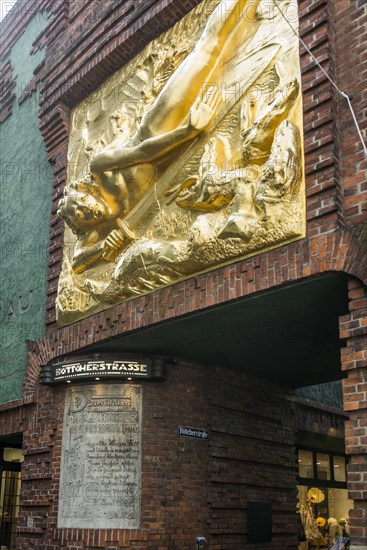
(177, 96)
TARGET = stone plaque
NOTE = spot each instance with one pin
(101, 458)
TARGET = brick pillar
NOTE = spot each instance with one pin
(353, 328)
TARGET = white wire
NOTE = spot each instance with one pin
(343, 94)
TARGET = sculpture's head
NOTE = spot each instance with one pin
(82, 207)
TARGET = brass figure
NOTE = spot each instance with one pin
(187, 158)
(92, 204)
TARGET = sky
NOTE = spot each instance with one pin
(5, 6)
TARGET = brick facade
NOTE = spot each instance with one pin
(249, 457)
(353, 328)
(328, 210)
(86, 42)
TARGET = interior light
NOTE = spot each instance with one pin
(68, 381)
(97, 378)
(129, 378)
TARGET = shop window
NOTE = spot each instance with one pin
(323, 466)
(339, 468)
(305, 464)
(323, 503)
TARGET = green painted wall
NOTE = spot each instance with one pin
(25, 206)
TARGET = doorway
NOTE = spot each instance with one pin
(11, 458)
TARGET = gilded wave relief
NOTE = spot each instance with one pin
(188, 158)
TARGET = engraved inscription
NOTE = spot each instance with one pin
(101, 457)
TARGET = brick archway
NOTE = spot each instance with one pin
(335, 252)
(343, 251)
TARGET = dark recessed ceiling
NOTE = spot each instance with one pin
(11, 440)
(289, 335)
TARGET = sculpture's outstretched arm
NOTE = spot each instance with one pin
(173, 103)
(156, 147)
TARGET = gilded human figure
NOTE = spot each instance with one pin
(203, 166)
(119, 176)
(91, 204)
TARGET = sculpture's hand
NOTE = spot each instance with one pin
(113, 241)
(202, 112)
(118, 239)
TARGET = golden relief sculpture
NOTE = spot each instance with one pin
(188, 158)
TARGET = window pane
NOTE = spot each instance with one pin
(323, 466)
(305, 464)
(339, 468)
(339, 504)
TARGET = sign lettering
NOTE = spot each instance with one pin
(152, 369)
(196, 433)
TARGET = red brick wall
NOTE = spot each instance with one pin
(86, 43)
(323, 186)
(335, 179)
(189, 487)
(351, 34)
(343, 251)
(353, 328)
(73, 70)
